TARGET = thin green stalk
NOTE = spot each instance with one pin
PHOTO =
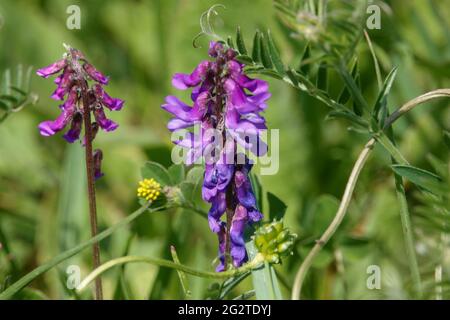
(255, 263)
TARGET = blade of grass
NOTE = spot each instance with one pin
(265, 281)
(181, 274)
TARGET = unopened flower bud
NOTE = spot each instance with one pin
(274, 241)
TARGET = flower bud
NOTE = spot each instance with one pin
(274, 241)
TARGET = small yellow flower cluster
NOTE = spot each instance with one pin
(149, 189)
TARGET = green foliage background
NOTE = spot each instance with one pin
(140, 44)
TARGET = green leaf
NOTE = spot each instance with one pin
(421, 178)
(447, 138)
(4, 106)
(381, 103)
(230, 284)
(357, 108)
(240, 42)
(29, 277)
(9, 98)
(256, 52)
(352, 87)
(156, 171)
(230, 43)
(265, 54)
(176, 173)
(322, 77)
(277, 208)
(274, 54)
(344, 96)
(265, 281)
(244, 59)
(348, 116)
(195, 175)
(23, 93)
(304, 68)
(187, 189)
(268, 72)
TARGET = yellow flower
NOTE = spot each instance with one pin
(149, 189)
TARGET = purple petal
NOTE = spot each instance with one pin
(95, 74)
(238, 252)
(176, 124)
(75, 128)
(218, 208)
(215, 48)
(46, 129)
(254, 215)
(104, 123)
(51, 69)
(49, 128)
(222, 243)
(98, 157)
(113, 104)
(59, 93)
(183, 81)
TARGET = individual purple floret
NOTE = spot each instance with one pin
(226, 107)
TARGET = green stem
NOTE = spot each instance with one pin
(255, 263)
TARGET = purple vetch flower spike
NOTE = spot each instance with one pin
(230, 104)
(98, 157)
(81, 99)
(76, 72)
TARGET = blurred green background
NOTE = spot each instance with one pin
(140, 44)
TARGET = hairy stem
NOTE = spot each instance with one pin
(255, 263)
(91, 186)
(304, 267)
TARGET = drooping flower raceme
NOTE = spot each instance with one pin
(75, 73)
(226, 107)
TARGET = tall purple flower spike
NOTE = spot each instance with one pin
(226, 100)
(76, 74)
